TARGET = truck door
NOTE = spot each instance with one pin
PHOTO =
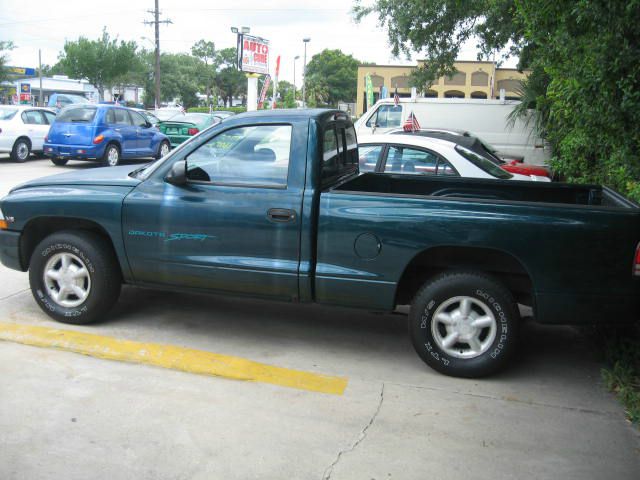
(235, 225)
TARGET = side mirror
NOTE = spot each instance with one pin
(178, 174)
(148, 125)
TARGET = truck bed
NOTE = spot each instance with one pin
(481, 189)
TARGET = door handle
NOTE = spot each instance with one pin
(281, 215)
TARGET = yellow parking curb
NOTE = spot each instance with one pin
(170, 356)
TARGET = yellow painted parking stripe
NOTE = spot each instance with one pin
(170, 356)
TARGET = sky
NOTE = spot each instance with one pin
(46, 25)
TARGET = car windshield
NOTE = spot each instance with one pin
(77, 114)
(77, 99)
(164, 115)
(193, 118)
(7, 113)
(483, 164)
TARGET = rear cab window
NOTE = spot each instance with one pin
(77, 115)
(339, 152)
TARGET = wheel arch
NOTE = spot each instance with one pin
(38, 228)
(499, 264)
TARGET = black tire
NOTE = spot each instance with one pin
(60, 161)
(21, 150)
(111, 156)
(102, 271)
(437, 314)
(163, 143)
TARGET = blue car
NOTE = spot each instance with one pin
(106, 133)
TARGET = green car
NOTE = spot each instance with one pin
(182, 126)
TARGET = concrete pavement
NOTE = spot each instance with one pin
(64, 415)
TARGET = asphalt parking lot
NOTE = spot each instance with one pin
(65, 415)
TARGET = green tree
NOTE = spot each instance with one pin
(331, 78)
(583, 58)
(4, 48)
(206, 52)
(229, 80)
(103, 62)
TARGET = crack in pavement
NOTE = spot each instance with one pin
(329, 470)
(14, 294)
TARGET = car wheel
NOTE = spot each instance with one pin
(464, 324)
(163, 149)
(74, 276)
(111, 157)
(21, 150)
(60, 161)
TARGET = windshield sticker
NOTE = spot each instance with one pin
(170, 237)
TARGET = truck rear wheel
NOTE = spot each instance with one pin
(464, 324)
(74, 276)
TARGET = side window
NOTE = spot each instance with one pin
(409, 160)
(32, 117)
(111, 117)
(373, 119)
(137, 119)
(50, 116)
(445, 168)
(387, 116)
(369, 155)
(249, 156)
(121, 116)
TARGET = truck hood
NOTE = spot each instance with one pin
(106, 176)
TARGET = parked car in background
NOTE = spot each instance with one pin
(181, 127)
(22, 130)
(167, 113)
(418, 155)
(510, 163)
(106, 133)
(486, 118)
(58, 101)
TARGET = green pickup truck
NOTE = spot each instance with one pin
(270, 204)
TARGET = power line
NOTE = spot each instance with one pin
(156, 22)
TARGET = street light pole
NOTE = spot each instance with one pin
(304, 74)
(294, 77)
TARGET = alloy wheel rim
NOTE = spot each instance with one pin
(464, 327)
(112, 156)
(164, 149)
(23, 151)
(67, 280)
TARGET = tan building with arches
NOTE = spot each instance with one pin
(473, 79)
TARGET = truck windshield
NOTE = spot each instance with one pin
(483, 163)
(77, 114)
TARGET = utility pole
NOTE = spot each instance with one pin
(156, 22)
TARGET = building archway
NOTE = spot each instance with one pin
(458, 78)
(400, 81)
(430, 94)
(478, 95)
(453, 94)
(479, 79)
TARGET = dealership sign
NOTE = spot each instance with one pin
(253, 54)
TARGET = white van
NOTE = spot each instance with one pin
(486, 119)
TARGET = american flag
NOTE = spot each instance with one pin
(396, 98)
(411, 124)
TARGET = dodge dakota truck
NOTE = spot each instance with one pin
(271, 204)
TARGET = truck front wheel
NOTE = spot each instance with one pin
(74, 276)
(464, 324)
